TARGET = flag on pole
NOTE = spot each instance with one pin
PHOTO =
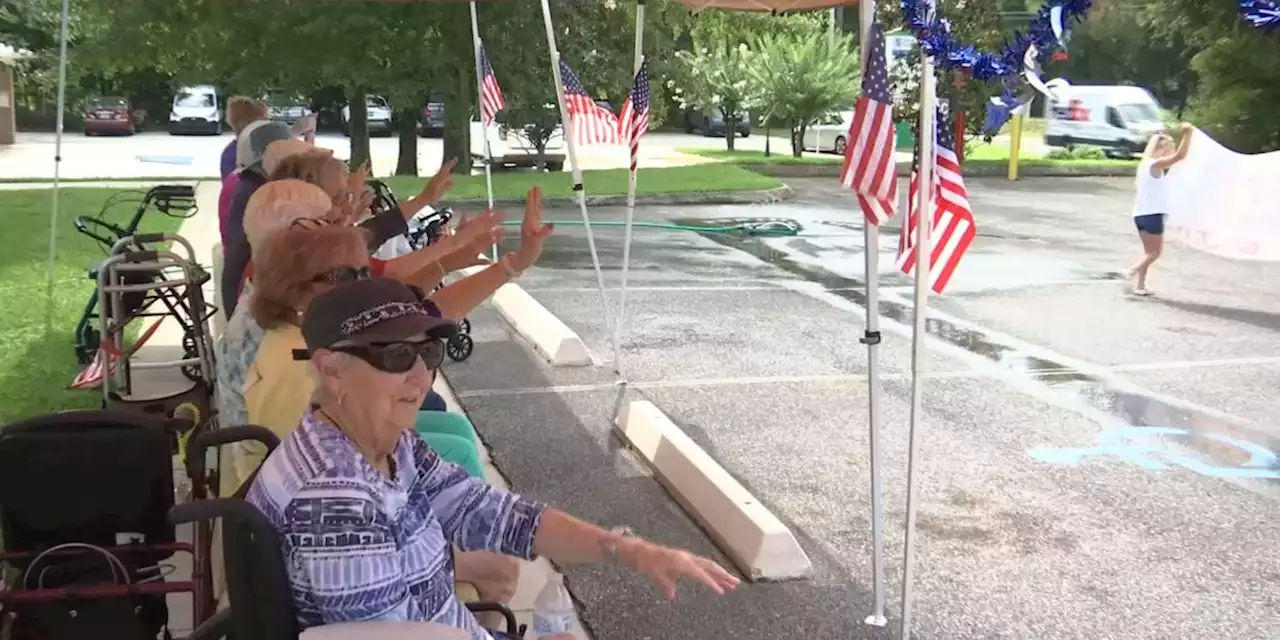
(589, 123)
(869, 167)
(953, 225)
(491, 100)
(634, 121)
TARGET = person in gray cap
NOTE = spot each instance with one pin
(251, 146)
(367, 512)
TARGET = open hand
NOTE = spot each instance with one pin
(533, 234)
(665, 566)
(482, 237)
(439, 184)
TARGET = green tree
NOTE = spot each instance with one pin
(1237, 82)
(716, 77)
(798, 78)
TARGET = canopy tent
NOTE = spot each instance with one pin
(871, 235)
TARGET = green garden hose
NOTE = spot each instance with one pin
(772, 228)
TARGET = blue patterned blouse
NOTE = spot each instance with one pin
(361, 546)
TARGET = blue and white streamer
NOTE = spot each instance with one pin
(1261, 14)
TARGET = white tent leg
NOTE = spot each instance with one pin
(573, 160)
(484, 130)
(923, 251)
(871, 338)
(630, 218)
(57, 162)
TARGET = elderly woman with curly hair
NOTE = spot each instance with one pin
(367, 511)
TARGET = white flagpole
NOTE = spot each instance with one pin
(871, 338)
(923, 251)
(484, 129)
(631, 213)
(572, 147)
(57, 162)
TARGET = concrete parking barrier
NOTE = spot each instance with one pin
(554, 340)
(755, 540)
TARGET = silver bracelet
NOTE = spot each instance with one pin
(610, 546)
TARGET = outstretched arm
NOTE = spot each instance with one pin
(1178, 156)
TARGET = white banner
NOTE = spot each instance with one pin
(1226, 203)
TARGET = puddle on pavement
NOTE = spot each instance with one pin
(1226, 449)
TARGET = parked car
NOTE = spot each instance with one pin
(196, 109)
(432, 122)
(512, 148)
(711, 123)
(110, 115)
(379, 116)
(287, 108)
(830, 133)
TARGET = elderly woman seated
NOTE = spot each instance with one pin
(367, 510)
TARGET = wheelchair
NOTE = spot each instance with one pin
(261, 602)
(424, 229)
(87, 545)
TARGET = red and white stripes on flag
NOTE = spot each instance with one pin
(105, 360)
(589, 123)
(869, 166)
(953, 225)
(634, 121)
(491, 100)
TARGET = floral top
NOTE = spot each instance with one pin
(362, 546)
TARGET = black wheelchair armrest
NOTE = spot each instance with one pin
(204, 440)
(513, 627)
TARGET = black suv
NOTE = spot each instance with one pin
(431, 124)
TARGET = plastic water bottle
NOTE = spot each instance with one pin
(553, 611)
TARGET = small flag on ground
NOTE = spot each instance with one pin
(491, 100)
(589, 122)
(869, 167)
(634, 121)
(105, 360)
(953, 225)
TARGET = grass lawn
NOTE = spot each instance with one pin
(512, 185)
(37, 361)
(748, 158)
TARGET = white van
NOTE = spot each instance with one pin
(512, 148)
(196, 109)
(1118, 119)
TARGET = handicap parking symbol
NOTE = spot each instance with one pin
(1147, 448)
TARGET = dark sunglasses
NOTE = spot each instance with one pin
(341, 275)
(398, 357)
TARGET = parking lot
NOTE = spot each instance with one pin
(1094, 465)
(158, 154)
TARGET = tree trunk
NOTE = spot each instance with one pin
(767, 133)
(730, 132)
(407, 124)
(797, 141)
(457, 117)
(358, 126)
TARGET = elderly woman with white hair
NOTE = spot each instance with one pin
(367, 511)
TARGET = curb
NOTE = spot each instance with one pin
(755, 540)
(979, 170)
(550, 337)
(768, 196)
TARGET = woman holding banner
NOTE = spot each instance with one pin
(1151, 204)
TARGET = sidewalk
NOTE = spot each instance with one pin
(201, 230)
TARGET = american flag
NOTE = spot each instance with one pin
(953, 225)
(491, 100)
(105, 360)
(869, 167)
(589, 123)
(634, 121)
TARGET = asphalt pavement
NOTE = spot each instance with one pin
(1092, 464)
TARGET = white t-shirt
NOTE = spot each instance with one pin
(1153, 191)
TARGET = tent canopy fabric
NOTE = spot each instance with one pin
(779, 6)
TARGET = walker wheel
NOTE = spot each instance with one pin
(464, 326)
(460, 347)
(189, 350)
